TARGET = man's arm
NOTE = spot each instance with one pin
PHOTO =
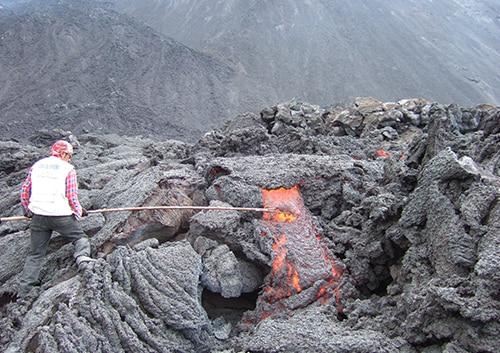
(72, 193)
(26, 191)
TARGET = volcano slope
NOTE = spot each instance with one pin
(382, 235)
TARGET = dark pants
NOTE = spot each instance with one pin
(41, 228)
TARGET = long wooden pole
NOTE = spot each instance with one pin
(146, 208)
(19, 218)
(216, 208)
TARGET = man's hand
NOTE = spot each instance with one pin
(27, 212)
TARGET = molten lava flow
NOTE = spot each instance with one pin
(382, 153)
(284, 201)
(303, 269)
(282, 269)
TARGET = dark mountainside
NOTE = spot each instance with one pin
(113, 67)
(334, 51)
(385, 237)
(82, 67)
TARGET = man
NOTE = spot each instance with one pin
(49, 197)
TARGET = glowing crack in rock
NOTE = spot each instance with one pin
(304, 270)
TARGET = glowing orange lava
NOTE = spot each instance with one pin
(284, 201)
(301, 263)
(383, 153)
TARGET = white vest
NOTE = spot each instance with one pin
(48, 187)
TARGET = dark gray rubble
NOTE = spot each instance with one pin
(403, 196)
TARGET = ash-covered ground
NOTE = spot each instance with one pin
(384, 236)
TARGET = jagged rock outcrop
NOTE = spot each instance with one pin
(399, 199)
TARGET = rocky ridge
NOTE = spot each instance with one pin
(403, 196)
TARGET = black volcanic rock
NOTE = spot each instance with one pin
(401, 198)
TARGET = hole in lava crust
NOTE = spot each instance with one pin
(231, 309)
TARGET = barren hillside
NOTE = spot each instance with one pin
(177, 69)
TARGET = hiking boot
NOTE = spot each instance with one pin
(84, 262)
(26, 297)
